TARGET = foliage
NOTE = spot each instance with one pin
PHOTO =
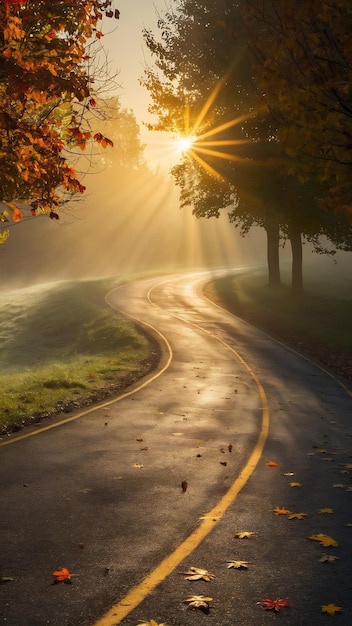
(303, 60)
(47, 94)
(202, 86)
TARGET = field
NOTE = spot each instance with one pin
(62, 346)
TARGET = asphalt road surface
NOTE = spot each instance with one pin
(132, 494)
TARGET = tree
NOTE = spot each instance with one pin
(47, 65)
(303, 62)
(202, 84)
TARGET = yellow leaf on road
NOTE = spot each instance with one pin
(331, 609)
(324, 540)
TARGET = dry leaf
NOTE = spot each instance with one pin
(326, 510)
(5, 579)
(281, 511)
(151, 623)
(184, 486)
(245, 534)
(296, 485)
(198, 601)
(62, 575)
(272, 464)
(339, 485)
(297, 516)
(237, 564)
(195, 573)
(275, 604)
(327, 558)
(289, 474)
(324, 540)
(137, 465)
(331, 609)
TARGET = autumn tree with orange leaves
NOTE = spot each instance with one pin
(47, 94)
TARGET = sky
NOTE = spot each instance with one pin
(129, 56)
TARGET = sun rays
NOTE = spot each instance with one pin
(199, 141)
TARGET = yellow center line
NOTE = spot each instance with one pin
(137, 594)
(76, 416)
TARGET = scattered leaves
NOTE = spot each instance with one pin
(296, 485)
(244, 534)
(237, 564)
(326, 510)
(151, 622)
(272, 464)
(297, 516)
(5, 579)
(281, 511)
(195, 573)
(275, 604)
(330, 609)
(327, 558)
(62, 575)
(198, 602)
(324, 540)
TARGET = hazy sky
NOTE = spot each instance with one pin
(128, 55)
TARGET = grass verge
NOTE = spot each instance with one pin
(62, 347)
(318, 323)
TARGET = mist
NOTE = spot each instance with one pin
(127, 222)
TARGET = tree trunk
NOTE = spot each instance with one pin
(273, 238)
(297, 262)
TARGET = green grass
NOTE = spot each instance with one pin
(322, 315)
(59, 343)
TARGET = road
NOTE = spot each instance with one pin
(131, 494)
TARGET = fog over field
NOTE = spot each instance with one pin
(124, 223)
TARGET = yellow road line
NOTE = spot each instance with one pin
(108, 402)
(137, 594)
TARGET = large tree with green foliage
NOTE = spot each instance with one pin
(47, 96)
(203, 84)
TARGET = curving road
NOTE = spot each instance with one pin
(130, 494)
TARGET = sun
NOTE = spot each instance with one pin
(184, 143)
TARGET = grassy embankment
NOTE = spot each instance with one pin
(61, 343)
(318, 323)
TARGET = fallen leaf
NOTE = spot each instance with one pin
(327, 558)
(85, 490)
(5, 579)
(151, 623)
(223, 463)
(230, 447)
(145, 448)
(237, 564)
(275, 604)
(195, 573)
(184, 486)
(289, 474)
(339, 485)
(198, 601)
(137, 465)
(281, 511)
(139, 439)
(296, 485)
(331, 609)
(326, 510)
(272, 464)
(297, 516)
(245, 534)
(324, 540)
(62, 575)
